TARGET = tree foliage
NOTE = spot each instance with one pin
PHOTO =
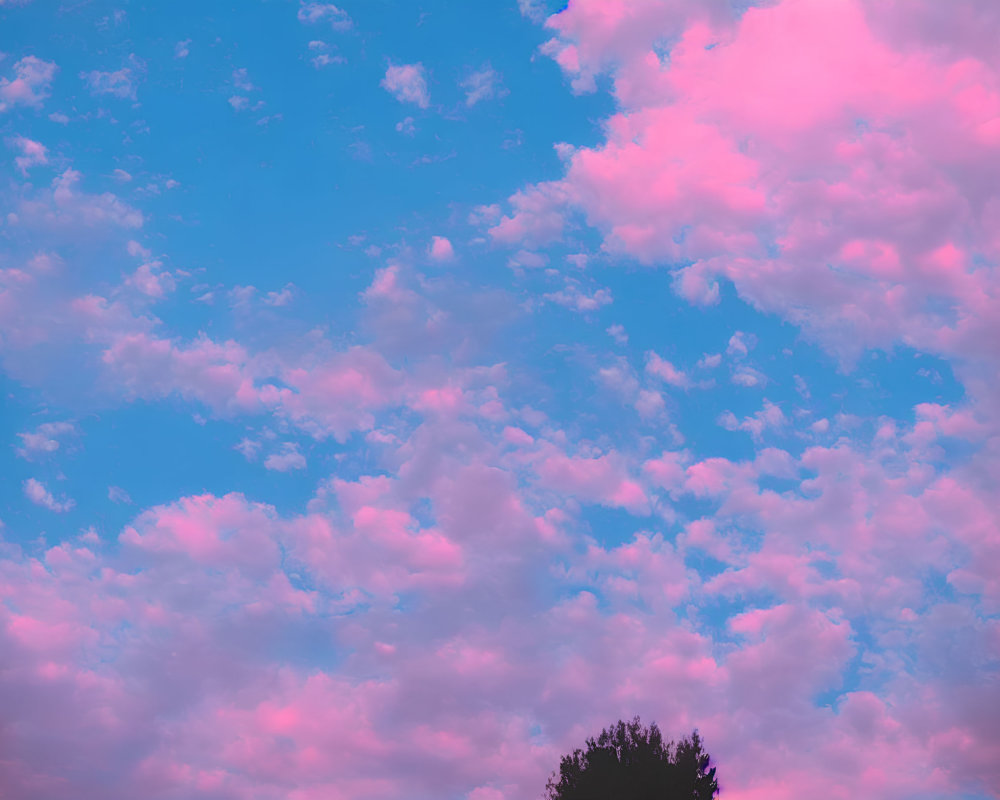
(631, 762)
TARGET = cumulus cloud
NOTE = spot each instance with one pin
(408, 83)
(32, 153)
(30, 84)
(783, 222)
(440, 249)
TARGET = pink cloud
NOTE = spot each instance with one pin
(30, 84)
(600, 480)
(675, 182)
(440, 249)
(32, 154)
(65, 206)
(665, 371)
(38, 494)
(408, 83)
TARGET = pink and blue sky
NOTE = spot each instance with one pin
(393, 394)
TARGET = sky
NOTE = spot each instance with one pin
(394, 394)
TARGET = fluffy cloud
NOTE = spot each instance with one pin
(30, 84)
(797, 176)
(408, 83)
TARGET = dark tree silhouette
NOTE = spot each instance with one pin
(631, 762)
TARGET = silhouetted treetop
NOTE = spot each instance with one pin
(631, 762)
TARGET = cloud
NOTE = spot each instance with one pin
(672, 183)
(573, 297)
(118, 495)
(32, 153)
(313, 13)
(406, 127)
(770, 417)
(30, 84)
(286, 459)
(121, 83)
(483, 84)
(36, 492)
(182, 49)
(64, 205)
(665, 371)
(440, 249)
(45, 439)
(408, 83)
(618, 333)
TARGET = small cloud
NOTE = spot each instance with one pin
(440, 249)
(617, 332)
(740, 344)
(406, 127)
(32, 153)
(485, 215)
(314, 13)
(149, 280)
(748, 376)
(58, 118)
(360, 151)
(45, 439)
(121, 83)
(325, 60)
(665, 371)
(533, 9)
(29, 85)
(279, 298)
(238, 102)
(241, 81)
(248, 448)
(770, 417)
(287, 459)
(36, 492)
(574, 298)
(121, 175)
(709, 361)
(118, 495)
(483, 84)
(407, 83)
(182, 49)
(526, 259)
(136, 250)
